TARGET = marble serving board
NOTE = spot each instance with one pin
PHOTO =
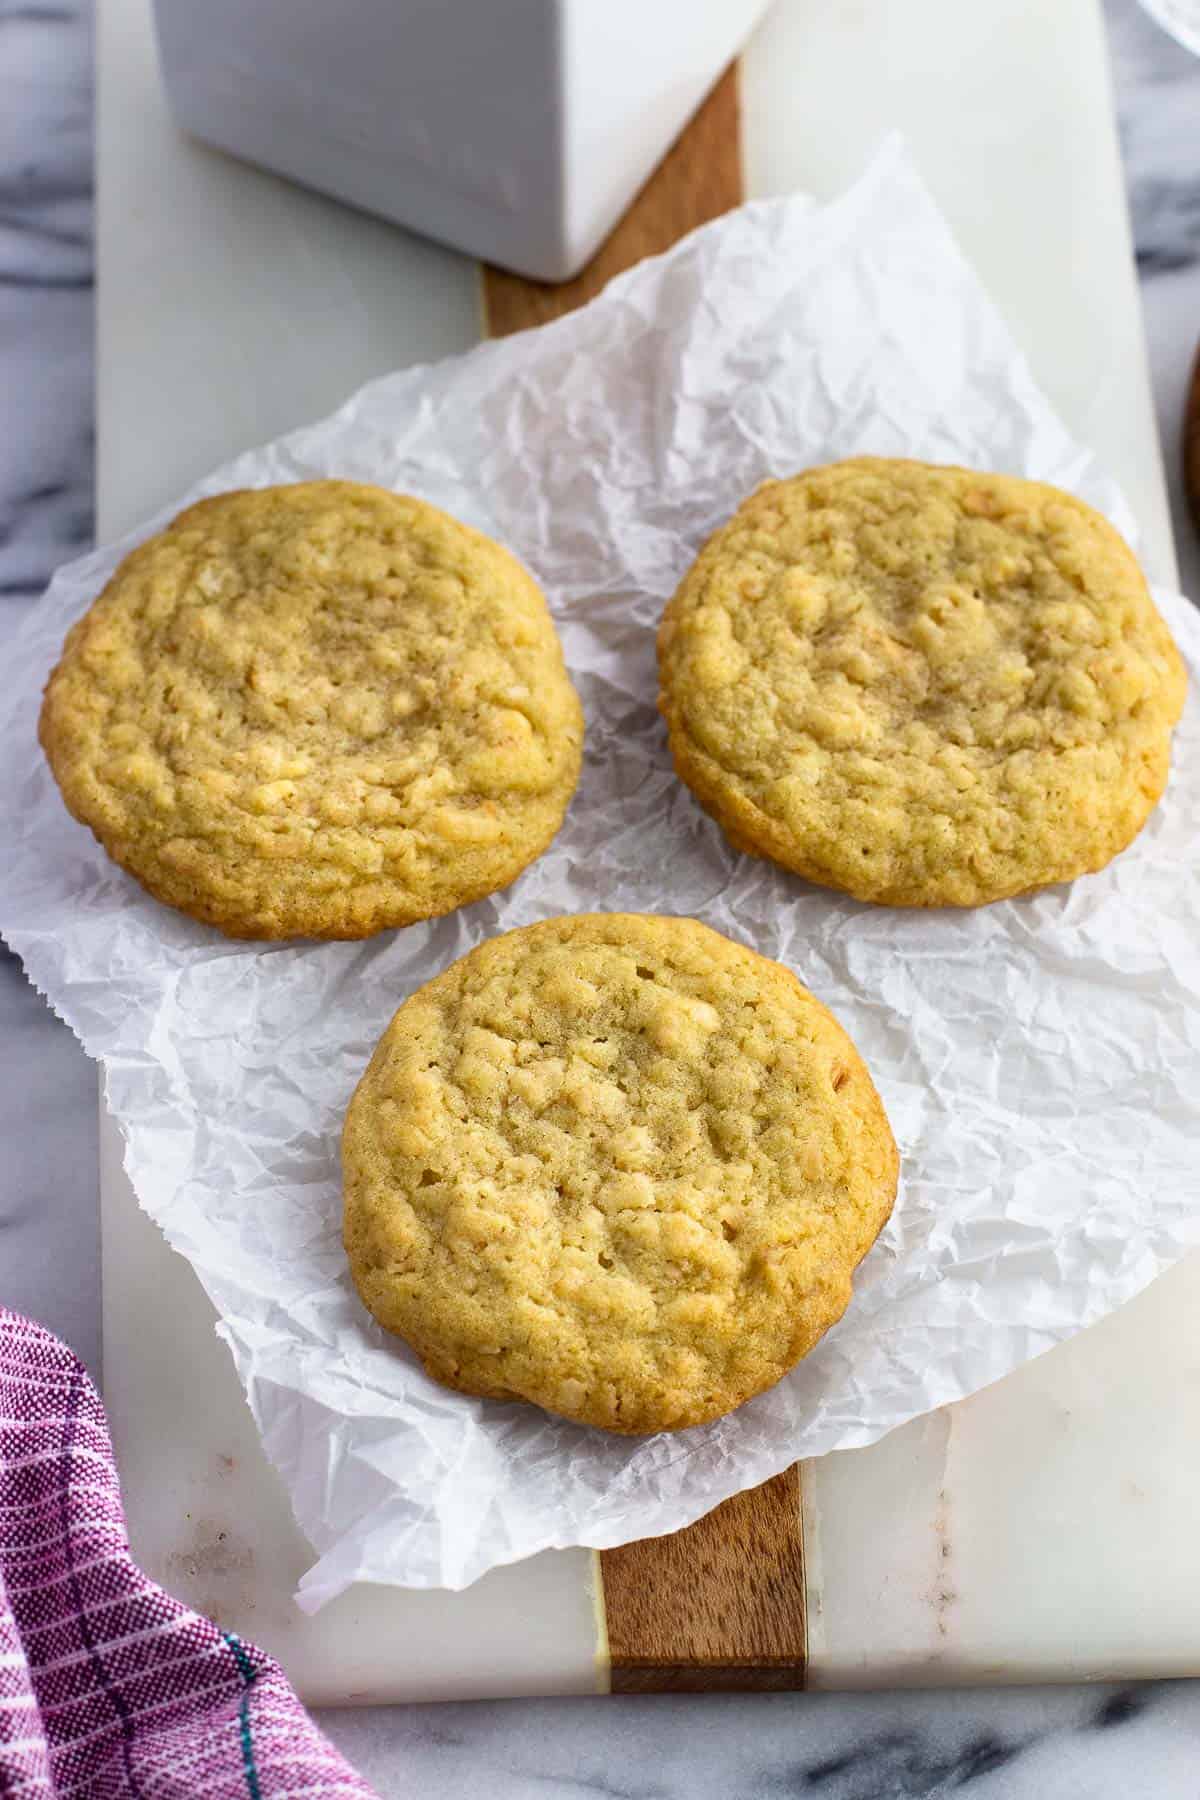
(1042, 1529)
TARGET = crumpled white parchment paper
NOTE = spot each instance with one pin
(1040, 1059)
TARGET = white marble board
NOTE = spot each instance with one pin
(1042, 1529)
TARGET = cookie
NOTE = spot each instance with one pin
(921, 685)
(615, 1165)
(316, 711)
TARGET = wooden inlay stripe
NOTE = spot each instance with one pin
(720, 1605)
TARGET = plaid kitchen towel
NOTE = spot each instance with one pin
(108, 1687)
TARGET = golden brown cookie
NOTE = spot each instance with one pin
(922, 685)
(317, 710)
(616, 1165)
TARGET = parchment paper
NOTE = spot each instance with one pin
(1040, 1059)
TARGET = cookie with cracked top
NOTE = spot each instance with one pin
(923, 685)
(616, 1165)
(316, 710)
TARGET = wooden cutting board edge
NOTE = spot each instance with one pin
(1190, 446)
(719, 1606)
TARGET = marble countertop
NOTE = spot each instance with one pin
(1048, 1742)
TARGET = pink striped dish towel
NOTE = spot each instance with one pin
(110, 1689)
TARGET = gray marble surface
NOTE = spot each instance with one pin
(1051, 1743)
(49, 1220)
(1157, 86)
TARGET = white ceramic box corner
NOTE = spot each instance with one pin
(517, 133)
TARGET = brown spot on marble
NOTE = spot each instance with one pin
(213, 1572)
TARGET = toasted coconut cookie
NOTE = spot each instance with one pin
(317, 710)
(922, 685)
(615, 1165)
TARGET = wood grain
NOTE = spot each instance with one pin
(699, 178)
(1191, 442)
(720, 1605)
